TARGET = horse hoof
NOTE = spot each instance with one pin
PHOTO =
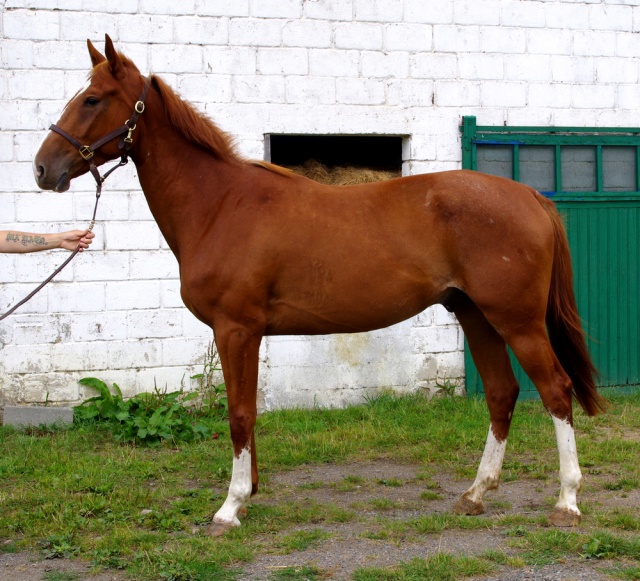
(468, 507)
(217, 529)
(561, 517)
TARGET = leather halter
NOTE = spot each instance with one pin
(87, 151)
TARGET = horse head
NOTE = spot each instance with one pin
(90, 131)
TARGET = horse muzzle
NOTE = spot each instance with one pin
(53, 173)
(58, 183)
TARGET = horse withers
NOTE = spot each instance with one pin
(263, 251)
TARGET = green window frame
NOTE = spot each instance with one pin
(560, 139)
(600, 204)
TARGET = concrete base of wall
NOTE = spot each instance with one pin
(25, 416)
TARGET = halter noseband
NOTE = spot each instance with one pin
(87, 151)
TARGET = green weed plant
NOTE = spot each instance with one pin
(147, 418)
(153, 417)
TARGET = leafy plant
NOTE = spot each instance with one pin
(108, 559)
(147, 418)
(596, 549)
(58, 546)
(446, 388)
(212, 393)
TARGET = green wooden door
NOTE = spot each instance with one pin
(592, 175)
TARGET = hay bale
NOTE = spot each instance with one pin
(342, 175)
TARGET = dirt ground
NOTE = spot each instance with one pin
(346, 550)
(365, 490)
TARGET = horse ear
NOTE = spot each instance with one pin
(115, 63)
(96, 57)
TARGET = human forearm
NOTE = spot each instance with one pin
(22, 242)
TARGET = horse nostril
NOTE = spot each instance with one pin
(39, 171)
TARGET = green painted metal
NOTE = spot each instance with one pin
(604, 237)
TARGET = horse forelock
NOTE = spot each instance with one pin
(193, 125)
(103, 67)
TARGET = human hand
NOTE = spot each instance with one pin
(76, 239)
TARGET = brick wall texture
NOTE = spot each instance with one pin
(392, 67)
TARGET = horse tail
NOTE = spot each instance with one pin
(563, 322)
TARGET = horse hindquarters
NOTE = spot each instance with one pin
(549, 353)
(531, 296)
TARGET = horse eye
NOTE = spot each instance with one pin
(91, 102)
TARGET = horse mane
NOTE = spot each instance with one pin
(193, 125)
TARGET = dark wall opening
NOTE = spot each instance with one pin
(366, 151)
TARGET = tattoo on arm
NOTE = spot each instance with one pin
(26, 239)
(30, 240)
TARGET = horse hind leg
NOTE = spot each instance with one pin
(490, 356)
(536, 356)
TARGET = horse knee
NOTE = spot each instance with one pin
(241, 422)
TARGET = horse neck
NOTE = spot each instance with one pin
(184, 184)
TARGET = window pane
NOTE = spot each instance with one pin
(537, 167)
(495, 159)
(619, 169)
(579, 169)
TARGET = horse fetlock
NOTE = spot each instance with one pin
(492, 482)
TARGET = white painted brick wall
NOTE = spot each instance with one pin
(399, 67)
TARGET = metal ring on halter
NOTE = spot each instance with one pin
(86, 152)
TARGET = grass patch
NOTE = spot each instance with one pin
(543, 547)
(79, 493)
(627, 573)
(430, 495)
(501, 558)
(350, 483)
(440, 567)
(300, 541)
(60, 576)
(383, 504)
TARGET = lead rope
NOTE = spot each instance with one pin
(99, 181)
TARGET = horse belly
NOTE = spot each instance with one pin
(350, 304)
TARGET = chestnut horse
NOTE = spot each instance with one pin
(263, 251)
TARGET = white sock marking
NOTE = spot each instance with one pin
(489, 470)
(239, 490)
(570, 475)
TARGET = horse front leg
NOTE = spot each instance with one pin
(239, 348)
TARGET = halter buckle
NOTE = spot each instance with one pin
(129, 138)
(86, 152)
(139, 107)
